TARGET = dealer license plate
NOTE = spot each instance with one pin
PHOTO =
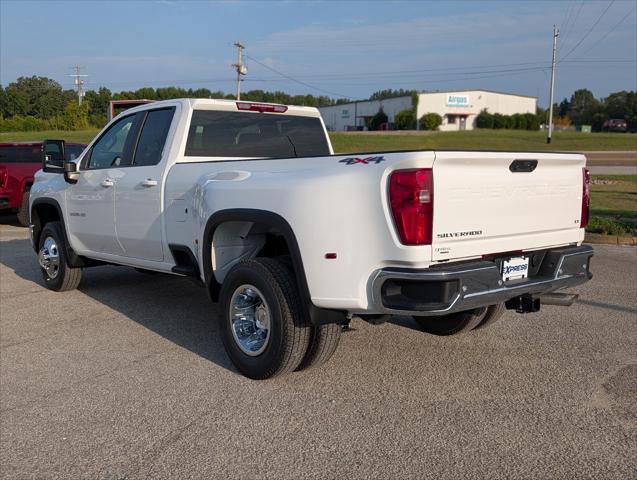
(515, 268)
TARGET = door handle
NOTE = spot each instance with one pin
(107, 183)
(149, 182)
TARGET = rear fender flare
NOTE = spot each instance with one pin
(316, 315)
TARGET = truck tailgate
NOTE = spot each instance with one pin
(488, 202)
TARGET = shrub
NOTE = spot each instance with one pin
(501, 121)
(532, 121)
(430, 121)
(406, 119)
(562, 122)
(484, 119)
(75, 117)
(519, 121)
(378, 119)
(19, 123)
(607, 226)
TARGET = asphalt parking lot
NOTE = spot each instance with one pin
(127, 378)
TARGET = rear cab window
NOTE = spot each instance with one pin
(32, 153)
(214, 133)
(20, 154)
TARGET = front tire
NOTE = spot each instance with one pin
(263, 326)
(57, 273)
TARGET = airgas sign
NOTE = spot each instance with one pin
(454, 100)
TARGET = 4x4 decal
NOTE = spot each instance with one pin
(364, 161)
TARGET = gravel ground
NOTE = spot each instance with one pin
(127, 378)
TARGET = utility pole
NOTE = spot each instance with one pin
(239, 67)
(79, 83)
(556, 33)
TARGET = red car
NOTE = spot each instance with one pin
(615, 125)
(18, 163)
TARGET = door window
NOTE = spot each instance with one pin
(110, 150)
(153, 137)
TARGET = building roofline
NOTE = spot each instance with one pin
(431, 92)
(478, 90)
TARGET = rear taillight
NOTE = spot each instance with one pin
(586, 197)
(411, 196)
(4, 176)
(261, 107)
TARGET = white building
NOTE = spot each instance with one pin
(458, 109)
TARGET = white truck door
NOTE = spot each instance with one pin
(138, 221)
(90, 202)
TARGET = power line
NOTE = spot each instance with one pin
(567, 16)
(438, 80)
(589, 30)
(571, 27)
(610, 31)
(542, 67)
(294, 79)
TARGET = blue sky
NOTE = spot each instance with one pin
(344, 48)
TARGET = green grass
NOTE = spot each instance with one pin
(80, 136)
(615, 199)
(613, 204)
(512, 140)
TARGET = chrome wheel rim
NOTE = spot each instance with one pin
(250, 320)
(49, 257)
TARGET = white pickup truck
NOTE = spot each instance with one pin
(250, 200)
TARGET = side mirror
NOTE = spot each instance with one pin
(53, 156)
(71, 175)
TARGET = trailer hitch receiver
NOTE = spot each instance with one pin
(524, 304)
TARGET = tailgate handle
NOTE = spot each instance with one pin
(523, 166)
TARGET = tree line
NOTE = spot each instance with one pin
(40, 103)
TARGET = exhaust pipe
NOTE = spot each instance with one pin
(560, 299)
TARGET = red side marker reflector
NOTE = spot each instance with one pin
(330, 256)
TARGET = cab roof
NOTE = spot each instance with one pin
(232, 105)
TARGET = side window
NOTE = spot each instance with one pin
(109, 150)
(73, 151)
(153, 137)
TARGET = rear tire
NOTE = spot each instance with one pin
(57, 273)
(323, 343)
(453, 323)
(23, 210)
(263, 325)
(494, 313)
